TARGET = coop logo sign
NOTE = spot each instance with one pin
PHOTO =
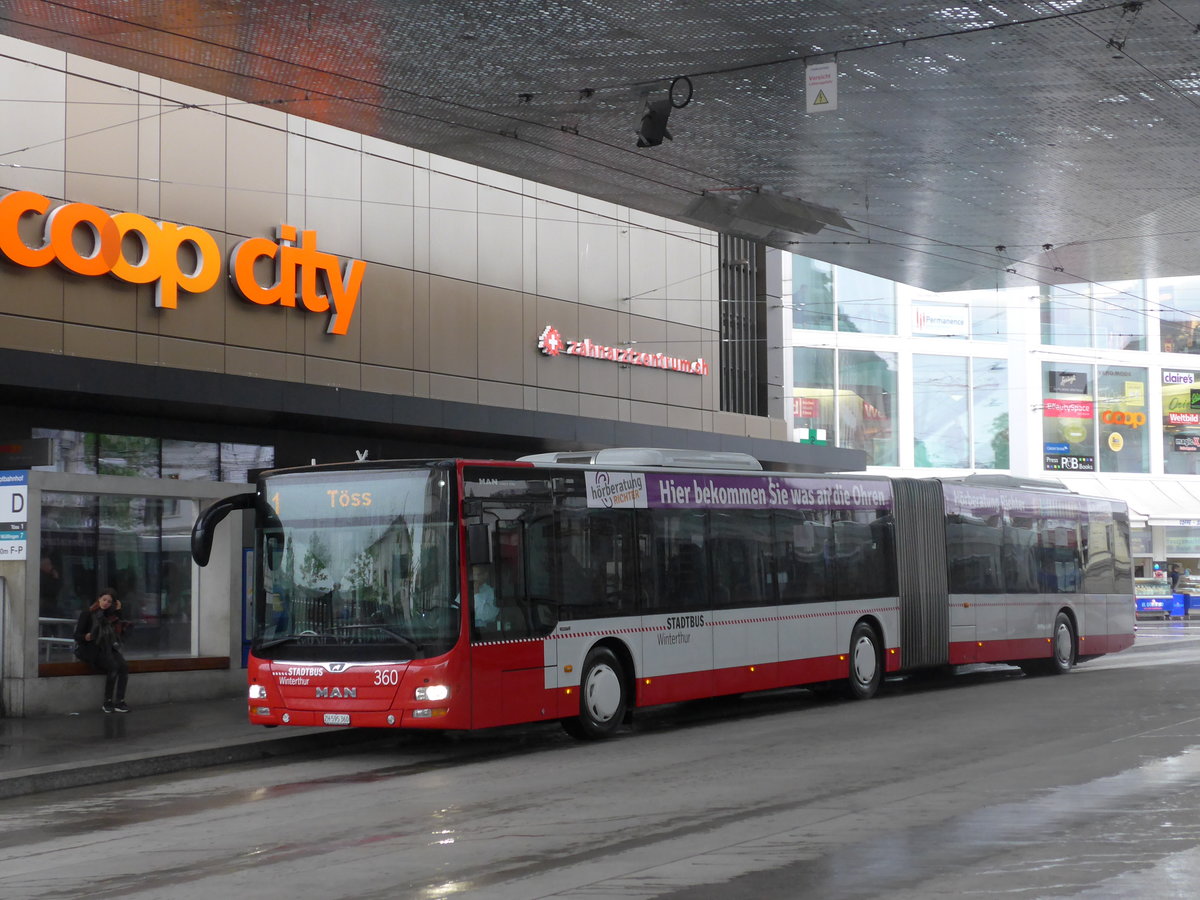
(86, 240)
(552, 343)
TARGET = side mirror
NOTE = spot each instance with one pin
(207, 521)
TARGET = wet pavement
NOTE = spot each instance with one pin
(93, 747)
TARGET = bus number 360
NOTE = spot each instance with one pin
(387, 676)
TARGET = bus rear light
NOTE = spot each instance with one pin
(568, 668)
(258, 692)
(432, 693)
(647, 681)
(752, 668)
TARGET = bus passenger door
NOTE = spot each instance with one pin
(511, 661)
(677, 618)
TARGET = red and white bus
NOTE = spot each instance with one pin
(460, 594)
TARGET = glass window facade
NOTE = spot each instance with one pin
(139, 547)
(1178, 302)
(941, 412)
(867, 405)
(1104, 316)
(89, 453)
(812, 294)
(989, 414)
(1181, 421)
(1094, 418)
(865, 303)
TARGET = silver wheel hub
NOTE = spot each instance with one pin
(863, 661)
(602, 693)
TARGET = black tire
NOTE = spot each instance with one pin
(602, 697)
(1062, 642)
(1062, 650)
(866, 662)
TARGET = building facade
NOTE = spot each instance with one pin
(194, 288)
(1095, 385)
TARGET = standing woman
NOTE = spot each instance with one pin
(98, 643)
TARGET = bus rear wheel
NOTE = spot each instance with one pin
(602, 697)
(866, 662)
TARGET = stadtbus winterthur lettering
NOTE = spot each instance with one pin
(108, 240)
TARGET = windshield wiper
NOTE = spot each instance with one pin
(302, 637)
(400, 636)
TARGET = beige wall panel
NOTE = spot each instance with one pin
(297, 179)
(500, 252)
(729, 423)
(599, 273)
(37, 335)
(451, 387)
(599, 376)
(101, 72)
(503, 341)
(332, 134)
(598, 407)
(648, 272)
(757, 426)
(199, 316)
(453, 341)
(557, 258)
(420, 322)
(420, 384)
(255, 165)
(148, 346)
(255, 363)
(560, 371)
(101, 300)
(37, 94)
(250, 325)
(101, 161)
(34, 53)
(529, 245)
(31, 292)
(458, 193)
(684, 418)
(686, 343)
(493, 393)
(500, 195)
(338, 224)
(149, 163)
(198, 355)
(647, 413)
(387, 212)
(319, 342)
(332, 373)
(562, 402)
(375, 147)
(554, 203)
(295, 367)
(383, 380)
(99, 343)
(385, 317)
(270, 117)
(648, 385)
(685, 277)
(447, 166)
(453, 242)
(686, 390)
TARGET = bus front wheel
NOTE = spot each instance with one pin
(602, 697)
(866, 662)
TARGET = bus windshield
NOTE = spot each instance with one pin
(356, 565)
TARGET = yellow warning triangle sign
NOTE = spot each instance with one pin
(820, 99)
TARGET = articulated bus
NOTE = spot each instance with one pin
(462, 594)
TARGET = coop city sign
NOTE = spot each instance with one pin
(86, 240)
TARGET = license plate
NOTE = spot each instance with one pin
(337, 718)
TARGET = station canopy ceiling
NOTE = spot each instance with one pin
(973, 144)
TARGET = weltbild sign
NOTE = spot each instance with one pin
(86, 240)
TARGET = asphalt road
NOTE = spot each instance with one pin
(986, 784)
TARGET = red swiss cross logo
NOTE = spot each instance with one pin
(551, 342)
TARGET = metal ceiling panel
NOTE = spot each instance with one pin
(973, 145)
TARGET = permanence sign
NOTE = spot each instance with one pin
(86, 240)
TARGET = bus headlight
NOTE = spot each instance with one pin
(432, 693)
(258, 692)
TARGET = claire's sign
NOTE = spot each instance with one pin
(86, 240)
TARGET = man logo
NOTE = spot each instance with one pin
(339, 693)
